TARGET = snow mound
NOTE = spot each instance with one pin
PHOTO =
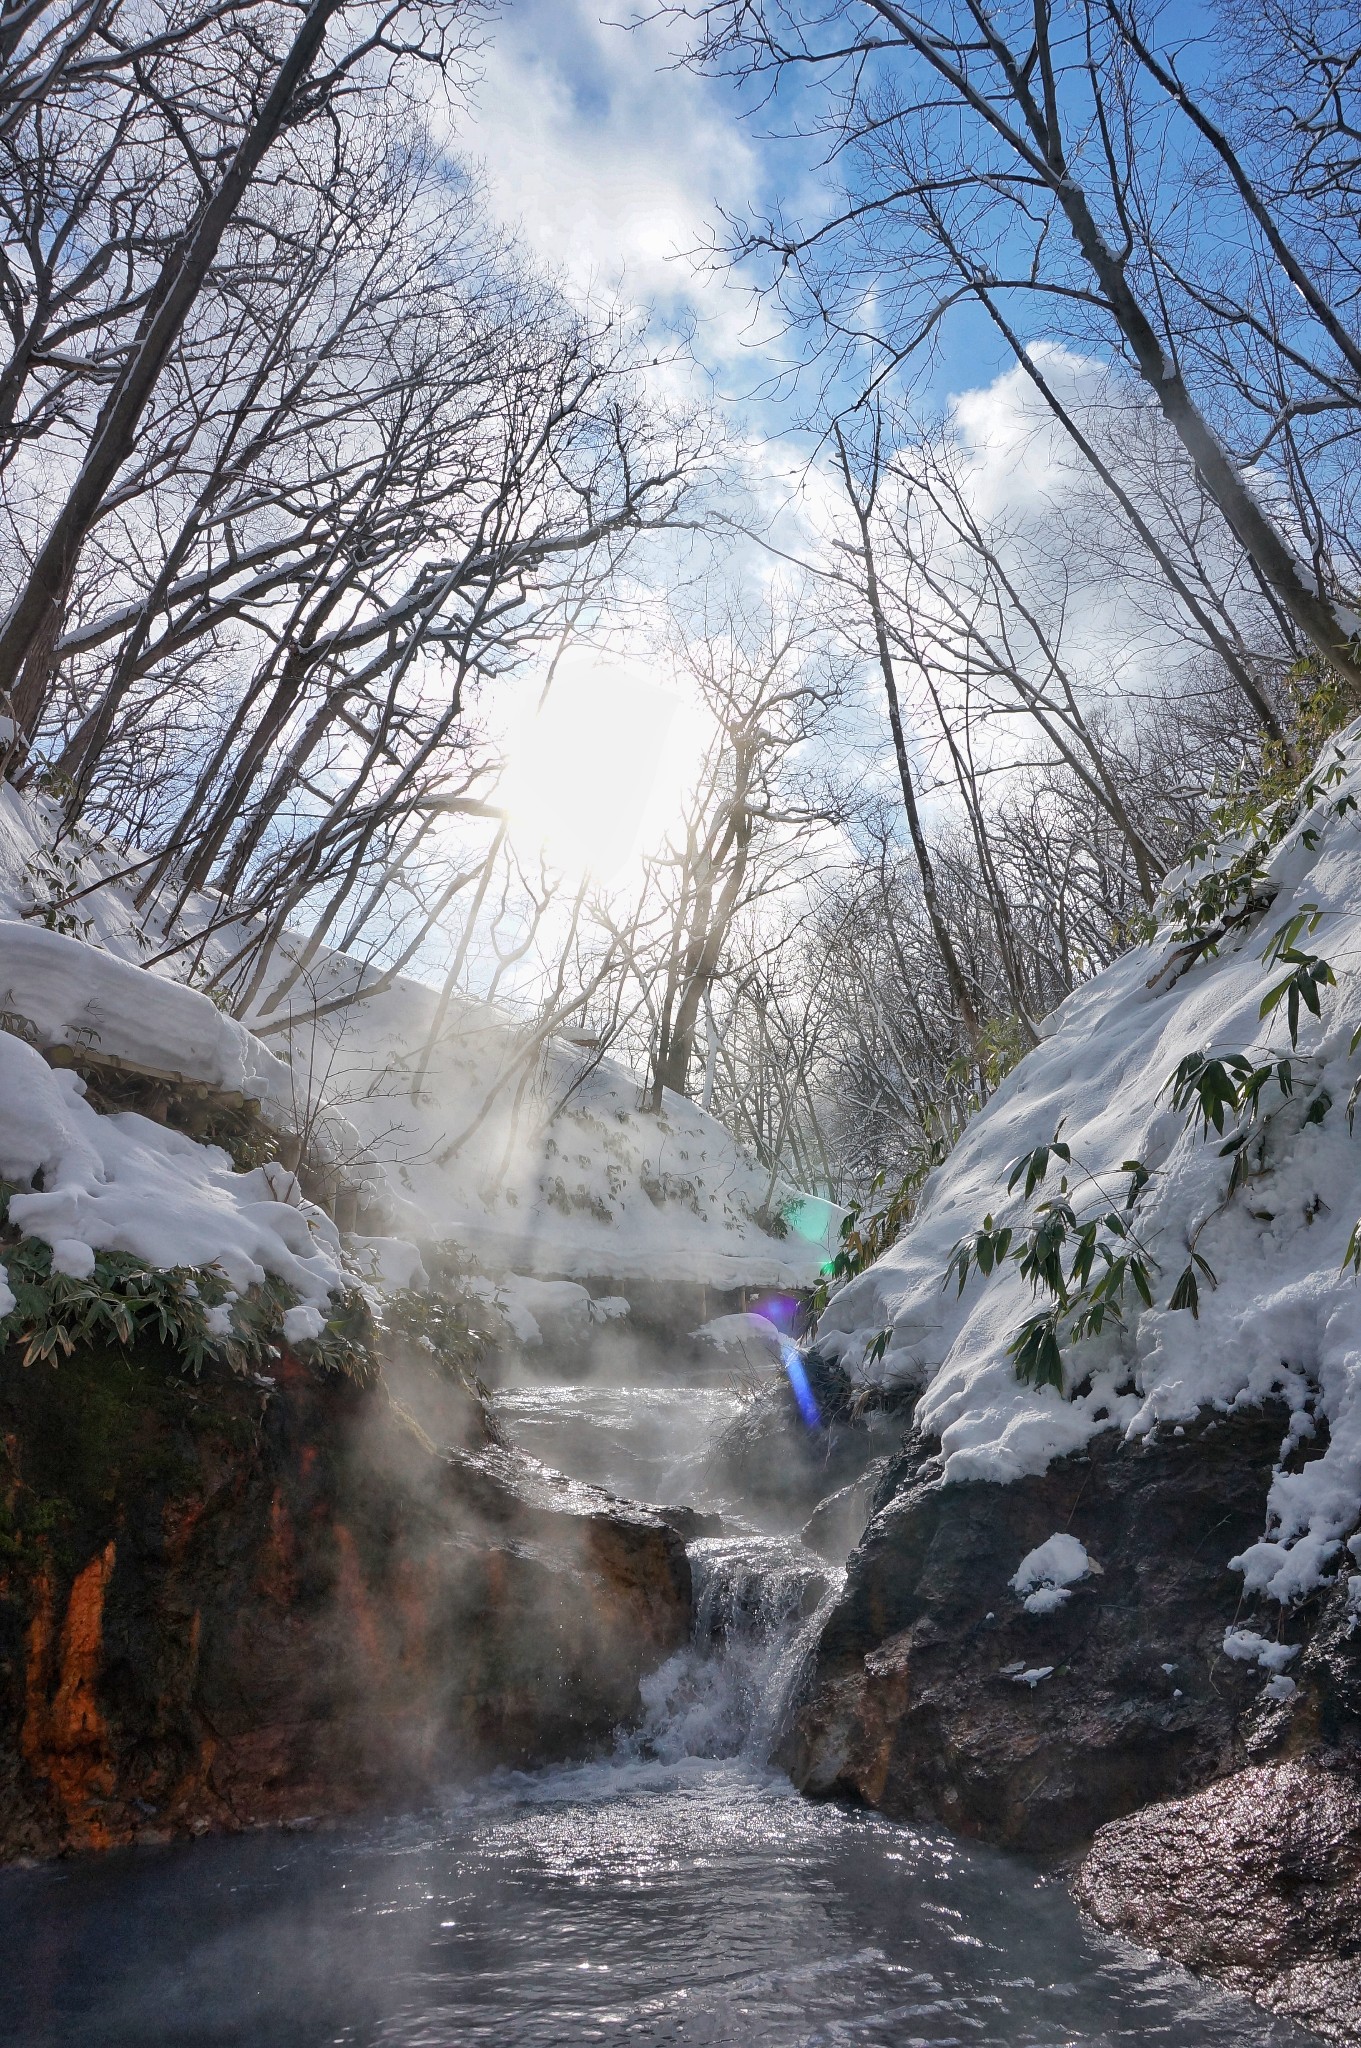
(1279, 1314)
(1045, 1573)
(124, 1184)
(754, 1336)
(539, 1311)
(75, 994)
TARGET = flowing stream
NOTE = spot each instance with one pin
(678, 1892)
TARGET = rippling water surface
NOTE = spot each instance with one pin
(680, 1892)
(634, 1902)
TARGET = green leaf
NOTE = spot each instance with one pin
(1186, 1293)
(1282, 945)
(1035, 1353)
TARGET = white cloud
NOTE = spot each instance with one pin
(611, 162)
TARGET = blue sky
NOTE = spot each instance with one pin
(615, 165)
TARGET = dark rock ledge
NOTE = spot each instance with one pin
(935, 1696)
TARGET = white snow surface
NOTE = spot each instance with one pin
(122, 1183)
(1045, 1573)
(1246, 1647)
(75, 994)
(542, 1165)
(1284, 1316)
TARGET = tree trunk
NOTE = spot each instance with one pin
(30, 632)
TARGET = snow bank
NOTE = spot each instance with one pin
(124, 1184)
(1284, 1317)
(78, 995)
(538, 1160)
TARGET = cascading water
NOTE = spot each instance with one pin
(678, 1894)
(759, 1603)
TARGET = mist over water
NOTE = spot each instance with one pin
(678, 1892)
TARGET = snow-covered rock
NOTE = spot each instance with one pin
(544, 1311)
(1281, 1315)
(122, 1183)
(78, 995)
(751, 1336)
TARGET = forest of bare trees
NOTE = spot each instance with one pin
(303, 464)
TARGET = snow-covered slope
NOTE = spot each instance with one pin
(528, 1159)
(124, 1184)
(539, 1160)
(1284, 1316)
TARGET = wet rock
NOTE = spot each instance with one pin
(224, 1603)
(838, 1522)
(937, 1694)
(781, 1465)
(1255, 1880)
(690, 1523)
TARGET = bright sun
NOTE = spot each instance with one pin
(583, 773)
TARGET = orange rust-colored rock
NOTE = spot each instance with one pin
(234, 1605)
(65, 1738)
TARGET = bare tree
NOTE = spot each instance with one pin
(1026, 150)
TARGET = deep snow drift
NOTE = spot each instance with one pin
(1280, 1314)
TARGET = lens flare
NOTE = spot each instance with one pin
(803, 1392)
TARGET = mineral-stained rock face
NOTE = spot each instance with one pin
(224, 1604)
(1256, 1881)
(935, 1694)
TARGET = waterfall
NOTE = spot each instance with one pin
(760, 1602)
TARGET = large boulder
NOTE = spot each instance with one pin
(1029, 1708)
(1256, 1881)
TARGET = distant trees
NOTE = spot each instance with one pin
(767, 683)
(1145, 218)
(1049, 163)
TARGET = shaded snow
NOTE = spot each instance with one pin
(755, 1336)
(1284, 1317)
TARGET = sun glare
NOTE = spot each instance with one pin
(584, 772)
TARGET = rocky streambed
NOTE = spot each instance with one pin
(227, 1603)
